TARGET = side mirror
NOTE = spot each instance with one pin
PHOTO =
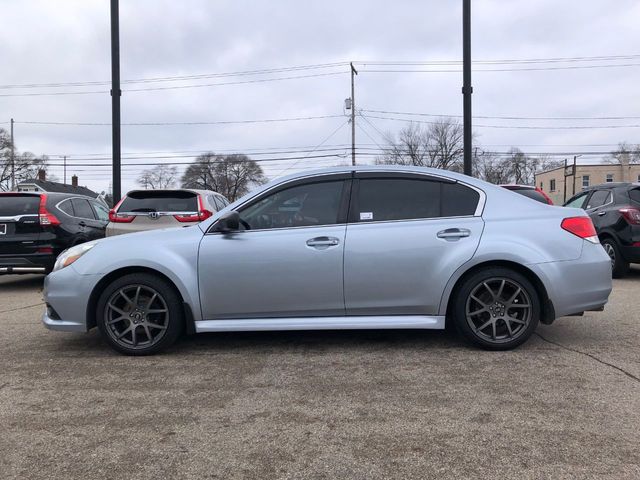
(229, 222)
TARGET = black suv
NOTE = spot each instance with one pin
(36, 227)
(615, 211)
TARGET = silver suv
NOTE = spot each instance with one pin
(151, 209)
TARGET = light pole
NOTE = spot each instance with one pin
(353, 115)
(467, 89)
(115, 99)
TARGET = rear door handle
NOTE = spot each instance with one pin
(323, 242)
(454, 233)
(82, 224)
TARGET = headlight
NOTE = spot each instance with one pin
(72, 254)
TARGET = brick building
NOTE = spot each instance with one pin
(553, 181)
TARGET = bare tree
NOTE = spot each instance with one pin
(159, 177)
(439, 145)
(625, 153)
(230, 175)
(26, 164)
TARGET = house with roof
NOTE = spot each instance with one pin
(41, 184)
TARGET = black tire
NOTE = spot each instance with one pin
(159, 328)
(495, 311)
(619, 266)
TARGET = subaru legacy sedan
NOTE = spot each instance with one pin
(342, 248)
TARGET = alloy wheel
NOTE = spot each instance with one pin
(136, 316)
(498, 310)
(611, 252)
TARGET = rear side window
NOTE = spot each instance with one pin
(406, 199)
(458, 200)
(66, 207)
(82, 208)
(13, 205)
(634, 194)
(577, 202)
(101, 212)
(159, 201)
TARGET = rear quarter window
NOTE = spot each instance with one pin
(458, 200)
(13, 205)
(159, 201)
(634, 195)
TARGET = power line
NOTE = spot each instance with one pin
(503, 117)
(525, 69)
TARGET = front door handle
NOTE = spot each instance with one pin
(600, 214)
(454, 233)
(82, 224)
(323, 242)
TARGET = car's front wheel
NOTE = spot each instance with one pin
(496, 308)
(619, 266)
(140, 314)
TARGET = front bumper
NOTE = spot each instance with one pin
(66, 294)
(576, 286)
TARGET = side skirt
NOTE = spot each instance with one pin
(322, 323)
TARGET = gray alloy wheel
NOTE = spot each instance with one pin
(498, 310)
(611, 252)
(140, 314)
(619, 266)
(136, 316)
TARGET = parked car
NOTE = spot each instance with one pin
(341, 248)
(36, 227)
(141, 210)
(530, 191)
(615, 211)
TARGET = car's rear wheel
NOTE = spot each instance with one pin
(619, 266)
(496, 308)
(140, 314)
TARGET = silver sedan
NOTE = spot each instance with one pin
(342, 248)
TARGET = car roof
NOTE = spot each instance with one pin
(191, 190)
(516, 186)
(53, 195)
(612, 185)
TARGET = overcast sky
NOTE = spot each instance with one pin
(68, 41)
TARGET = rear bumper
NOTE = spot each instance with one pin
(580, 285)
(66, 294)
(26, 263)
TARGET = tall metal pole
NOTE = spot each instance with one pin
(115, 99)
(564, 197)
(13, 160)
(65, 169)
(467, 89)
(353, 116)
(575, 171)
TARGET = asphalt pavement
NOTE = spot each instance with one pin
(334, 405)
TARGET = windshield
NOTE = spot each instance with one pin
(160, 201)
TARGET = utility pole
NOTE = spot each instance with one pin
(467, 89)
(353, 115)
(13, 160)
(115, 99)
(575, 171)
(564, 196)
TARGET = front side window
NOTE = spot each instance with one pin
(304, 205)
(599, 198)
(577, 202)
(82, 208)
(387, 199)
(585, 181)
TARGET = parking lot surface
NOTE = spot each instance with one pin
(349, 405)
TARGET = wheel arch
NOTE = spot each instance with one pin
(547, 313)
(111, 276)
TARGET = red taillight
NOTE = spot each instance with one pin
(631, 215)
(546, 197)
(581, 227)
(116, 217)
(46, 250)
(202, 214)
(46, 218)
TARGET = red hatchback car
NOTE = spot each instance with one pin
(531, 192)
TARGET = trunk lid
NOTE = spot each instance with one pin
(19, 223)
